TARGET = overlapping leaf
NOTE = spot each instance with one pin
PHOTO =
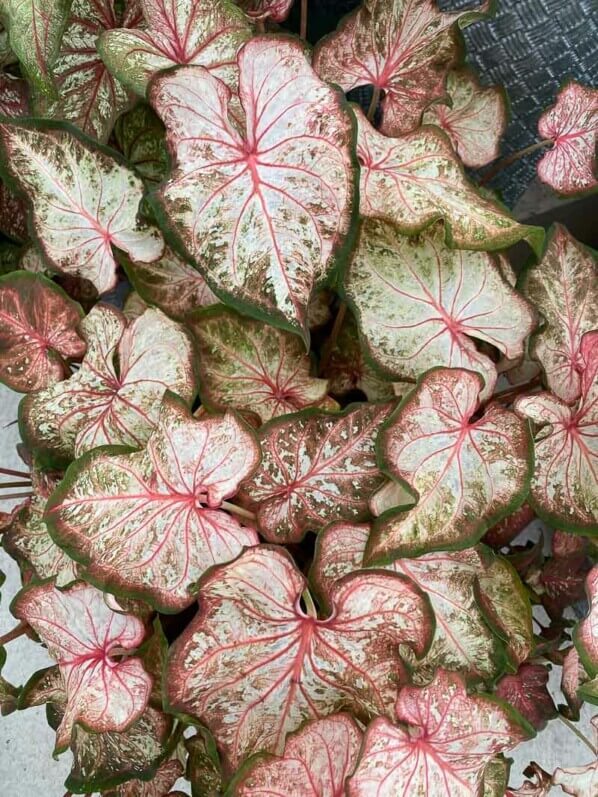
(82, 200)
(564, 289)
(449, 739)
(140, 137)
(316, 468)
(276, 10)
(476, 120)
(253, 665)
(148, 524)
(84, 636)
(316, 762)
(419, 304)
(403, 48)
(572, 126)
(253, 368)
(38, 332)
(262, 207)
(206, 33)
(526, 690)
(165, 778)
(414, 180)
(13, 95)
(586, 636)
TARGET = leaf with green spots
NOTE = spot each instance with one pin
(140, 137)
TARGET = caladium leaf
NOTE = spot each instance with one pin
(114, 397)
(466, 473)
(243, 365)
(140, 136)
(449, 739)
(496, 777)
(207, 33)
(149, 523)
(316, 762)
(573, 675)
(403, 48)
(316, 467)
(265, 207)
(563, 489)
(527, 691)
(13, 215)
(579, 781)
(540, 784)
(507, 529)
(203, 765)
(572, 126)
(390, 496)
(586, 635)
(9, 694)
(253, 665)
(476, 120)
(159, 786)
(35, 29)
(419, 304)
(63, 177)
(13, 96)
(171, 284)
(275, 10)
(44, 686)
(38, 332)
(564, 289)
(84, 636)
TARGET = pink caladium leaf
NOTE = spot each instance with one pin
(419, 304)
(509, 527)
(527, 691)
(252, 368)
(403, 48)
(573, 677)
(275, 10)
(263, 206)
(572, 127)
(64, 178)
(563, 490)
(579, 781)
(38, 332)
(586, 635)
(466, 473)
(253, 665)
(13, 96)
(445, 740)
(114, 397)
(316, 467)
(148, 524)
(564, 289)
(85, 637)
(159, 786)
(205, 33)
(316, 762)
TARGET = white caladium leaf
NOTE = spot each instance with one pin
(38, 332)
(586, 634)
(563, 490)
(476, 120)
(316, 762)
(64, 177)
(403, 48)
(414, 180)
(114, 397)
(149, 523)
(263, 207)
(13, 96)
(579, 781)
(85, 637)
(35, 29)
(466, 473)
(252, 665)
(171, 284)
(316, 467)
(564, 289)
(276, 10)
(449, 739)
(572, 127)
(252, 368)
(206, 33)
(419, 304)
(87, 94)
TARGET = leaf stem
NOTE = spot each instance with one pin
(5, 485)
(309, 604)
(260, 25)
(238, 510)
(10, 496)
(578, 733)
(512, 158)
(373, 104)
(334, 333)
(9, 472)
(303, 23)
(15, 633)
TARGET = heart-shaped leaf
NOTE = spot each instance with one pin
(85, 636)
(563, 490)
(253, 665)
(243, 365)
(414, 180)
(475, 121)
(114, 397)
(449, 739)
(586, 634)
(316, 762)
(466, 473)
(316, 467)
(527, 691)
(207, 33)
(149, 523)
(572, 126)
(276, 10)
(564, 289)
(419, 304)
(403, 48)
(38, 332)
(9, 694)
(264, 207)
(83, 201)
(13, 96)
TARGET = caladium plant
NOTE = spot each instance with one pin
(290, 403)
